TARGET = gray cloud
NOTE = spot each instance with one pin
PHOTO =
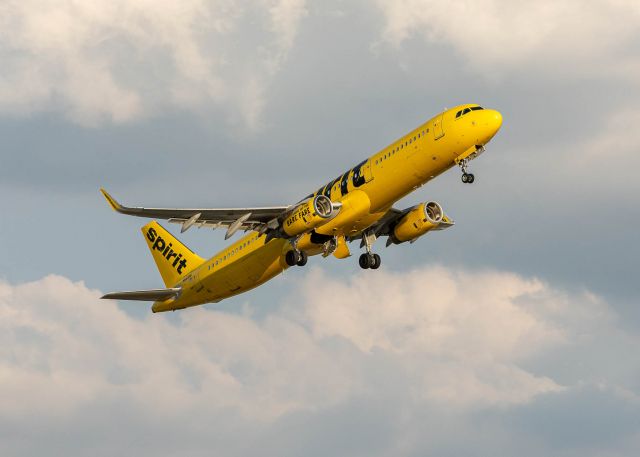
(379, 368)
(266, 106)
(121, 61)
(553, 198)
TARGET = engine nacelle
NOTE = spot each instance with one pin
(308, 215)
(417, 222)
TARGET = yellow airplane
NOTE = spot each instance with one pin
(358, 205)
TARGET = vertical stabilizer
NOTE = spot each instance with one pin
(174, 259)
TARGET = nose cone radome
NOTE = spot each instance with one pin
(491, 123)
(497, 120)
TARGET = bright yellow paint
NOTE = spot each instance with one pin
(174, 259)
(387, 176)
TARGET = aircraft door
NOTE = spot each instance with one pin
(438, 131)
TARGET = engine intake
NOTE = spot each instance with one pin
(308, 215)
(417, 222)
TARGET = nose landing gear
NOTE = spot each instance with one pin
(467, 178)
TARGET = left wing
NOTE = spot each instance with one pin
(234, 219)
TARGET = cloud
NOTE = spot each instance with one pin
(553, 39)
(118, 61)
(428, 346)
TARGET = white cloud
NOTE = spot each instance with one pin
(435, 339)
(116, 61)
(558, 39)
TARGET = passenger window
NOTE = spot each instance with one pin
(466, 110)
(458, 114)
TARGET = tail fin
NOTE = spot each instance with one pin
(174, 259)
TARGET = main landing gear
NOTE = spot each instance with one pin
(369, 260)
(296, 258)
(467, 178)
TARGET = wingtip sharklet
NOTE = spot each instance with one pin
(112, 201)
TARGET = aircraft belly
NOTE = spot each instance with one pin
(249, 272)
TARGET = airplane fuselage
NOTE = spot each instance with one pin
(366, 193)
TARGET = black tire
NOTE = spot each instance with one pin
(465, 178)
(303, 259)
(376, 261)
(470, 178)
(291, 258)
(365, 261)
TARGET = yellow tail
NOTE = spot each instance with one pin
(174, 259)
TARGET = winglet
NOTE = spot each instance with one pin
(112, 201)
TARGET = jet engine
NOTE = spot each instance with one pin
(309, 215)
(418, 221)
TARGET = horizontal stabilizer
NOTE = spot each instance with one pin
(145, 295)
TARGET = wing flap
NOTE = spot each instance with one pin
(144, 295)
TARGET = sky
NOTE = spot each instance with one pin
(513, 332)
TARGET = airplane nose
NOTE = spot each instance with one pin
(492, 123)
(495, 120)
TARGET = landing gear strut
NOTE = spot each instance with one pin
(369, 260)
(467, 178)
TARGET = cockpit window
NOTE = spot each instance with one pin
(467, 110)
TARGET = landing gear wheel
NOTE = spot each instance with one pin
(465, 178)
(365, 261)
(376, 261)
(292, 258)
(470, 178)
(303, 259)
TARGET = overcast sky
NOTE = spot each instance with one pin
(516, 331)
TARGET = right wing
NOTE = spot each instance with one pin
(234, 219)
(384, 225)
